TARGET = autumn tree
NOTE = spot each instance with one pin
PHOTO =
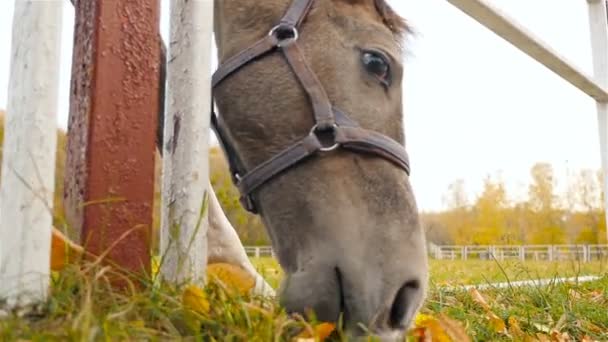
(489, 214)
(542, 200)
(585, 204)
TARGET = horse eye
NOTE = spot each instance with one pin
(377, 65)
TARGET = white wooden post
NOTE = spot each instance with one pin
(598, 24)
(28, 165)
(185, 159)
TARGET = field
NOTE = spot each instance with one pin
(84, 307)
(450, 273)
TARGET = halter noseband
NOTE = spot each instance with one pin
(330, 122)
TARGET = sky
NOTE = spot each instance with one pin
(473, 104)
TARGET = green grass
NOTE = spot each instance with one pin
(458, 272)
(83, 306)
(576, 309)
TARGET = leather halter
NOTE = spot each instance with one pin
(343, 132)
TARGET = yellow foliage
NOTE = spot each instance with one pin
(194, 299)
(232, 277)
(63, 251)
(319, 333)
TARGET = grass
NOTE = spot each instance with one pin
(83, 306)
(458, 272)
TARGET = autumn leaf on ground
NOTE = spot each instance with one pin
(232, 277)
(556, 336)
(515, 330)
(453, 328)
(63, 251)
(588, 326)
(597, 296)
(497, 323)
(321, 333)
(195, 299)
(440, 329)
(478, 298)
(543, 338)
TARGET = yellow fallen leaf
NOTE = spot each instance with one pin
(556, 336)
(63, 251)
(420, 334)
(195, 299)
(232, 277)
(429, 328)
(588, 326)
(497, 323)
(515, 330)
(478, 298)
(321, 333)
(543, 338)
(453, 329)
(597, 296)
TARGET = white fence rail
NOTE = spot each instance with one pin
(582, 253)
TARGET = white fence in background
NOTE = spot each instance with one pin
(582, 253)
(259, 251)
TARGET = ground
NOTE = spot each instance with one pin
(83, 306)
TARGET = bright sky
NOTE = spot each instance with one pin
(474, 105)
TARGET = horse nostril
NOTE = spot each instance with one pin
(403, 304)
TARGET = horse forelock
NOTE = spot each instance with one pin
(391, 19)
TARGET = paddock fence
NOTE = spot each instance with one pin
(581, 253)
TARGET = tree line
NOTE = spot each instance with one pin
(545, 217)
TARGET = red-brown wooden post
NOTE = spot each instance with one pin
(113, 119)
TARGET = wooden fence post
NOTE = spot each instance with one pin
(28, 165)
(185, 158)
(109, 183)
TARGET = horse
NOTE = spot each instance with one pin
(309, 99)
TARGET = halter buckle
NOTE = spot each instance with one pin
(285, 35)
(326, 136)
(247, 203)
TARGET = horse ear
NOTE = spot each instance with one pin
(391, 19)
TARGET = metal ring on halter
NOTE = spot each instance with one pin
(315, 130)
(284, 40)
